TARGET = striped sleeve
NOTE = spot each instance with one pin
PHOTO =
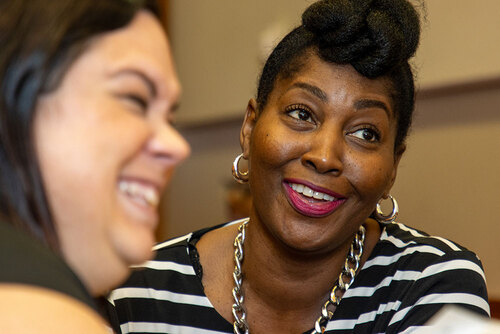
(407, 279)
(454, 279)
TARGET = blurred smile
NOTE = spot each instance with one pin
(311, 200)
(142, 197)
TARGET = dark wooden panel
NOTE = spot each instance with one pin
(164, 10)
(495, 308)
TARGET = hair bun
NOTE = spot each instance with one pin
(372, 35)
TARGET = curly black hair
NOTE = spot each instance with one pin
(376, 37)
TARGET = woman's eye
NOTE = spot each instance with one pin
(301, 114)
(137, 102)
(366, 134)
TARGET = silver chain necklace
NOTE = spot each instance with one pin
(344, 281)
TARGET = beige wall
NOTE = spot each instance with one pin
(217, 46)
(461, 42)
(448, 180)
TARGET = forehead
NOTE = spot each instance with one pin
(143, 33)
(334, 81)
(141, 45)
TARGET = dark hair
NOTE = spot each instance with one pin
(377, 37)
(40, 39)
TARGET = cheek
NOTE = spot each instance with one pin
(272, 147)
(81, 152)
(370, 175)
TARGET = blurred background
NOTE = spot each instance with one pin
(448, 182)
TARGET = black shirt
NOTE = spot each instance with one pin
(25, 260)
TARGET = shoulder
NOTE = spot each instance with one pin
(398, 233)
(406, 251)
(171, 262)
(176, 254)
(165, 292)
(27, 261)
(29, 309)
(409, 276)
(146, 298)
(425, 273)
(175, 262)
(17, 246)
(404, 245)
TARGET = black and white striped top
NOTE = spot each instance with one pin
(408, 277)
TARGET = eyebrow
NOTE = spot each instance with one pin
(360, 104)
(149, 83)
(368, 103)
(316, 91)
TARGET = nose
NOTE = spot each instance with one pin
(324, 152)
(167, 145)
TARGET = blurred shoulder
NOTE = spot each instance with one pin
(26, 260)
(29, 309)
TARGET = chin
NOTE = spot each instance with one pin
(116, 278)
(132, 246)
(307, 241)
(138, 250)
(142, 255)
(305, 248)
(120, 271)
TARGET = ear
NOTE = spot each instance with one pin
(247, 127)
(397, 157)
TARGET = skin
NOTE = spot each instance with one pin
(45, 311)
(109, 122)
(331, 127)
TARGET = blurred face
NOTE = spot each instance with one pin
(107, 150)
(321, 154)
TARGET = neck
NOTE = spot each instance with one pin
(284, 278)
(283, 285)
(283, 290)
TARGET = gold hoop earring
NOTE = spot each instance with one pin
(379, 215)
(240, 177)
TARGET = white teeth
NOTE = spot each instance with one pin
(308, 192)
(318, 195)
(123, 186)
(151, 197)
(328, 198)
(140, 192)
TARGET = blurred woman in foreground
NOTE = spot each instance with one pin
(88, 91)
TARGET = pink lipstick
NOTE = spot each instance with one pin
(311, 200)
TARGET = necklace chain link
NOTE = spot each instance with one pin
(344, 281)
(240, 323)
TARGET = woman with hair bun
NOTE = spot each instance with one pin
(323, 140)
(87, 93)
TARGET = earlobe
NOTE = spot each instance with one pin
(398, 153)
(247, 127)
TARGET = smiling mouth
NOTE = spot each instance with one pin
(309, 202)
(140, 193)
(308, 192)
